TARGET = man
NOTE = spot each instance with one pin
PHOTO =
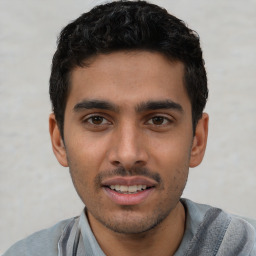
(128, 88)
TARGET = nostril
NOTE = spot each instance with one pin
(116, 163)
(140, 163)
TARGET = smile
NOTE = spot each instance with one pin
(128, 189)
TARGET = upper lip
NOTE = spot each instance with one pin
(129, 181)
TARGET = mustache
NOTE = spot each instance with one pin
(121, 171)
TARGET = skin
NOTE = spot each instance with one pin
(140, 140)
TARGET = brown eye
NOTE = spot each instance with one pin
(97, 120)
(158, 120)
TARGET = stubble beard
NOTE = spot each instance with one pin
(132, 223)
(129, 222)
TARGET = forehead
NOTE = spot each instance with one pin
(128, 78)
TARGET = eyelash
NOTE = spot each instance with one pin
(165, 120)
(150, 121)
(96, 116)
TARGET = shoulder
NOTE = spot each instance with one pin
(231, 231)
(41, 243)
(252, 222)
(244, 229)
(200, 211)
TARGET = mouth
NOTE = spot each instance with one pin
(129, 190)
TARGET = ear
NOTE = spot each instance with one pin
(199, 141)
(57, 142)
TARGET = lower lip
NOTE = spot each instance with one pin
(128, 199)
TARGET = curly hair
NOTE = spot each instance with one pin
(127, 25)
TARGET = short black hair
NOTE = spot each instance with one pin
(127, 25)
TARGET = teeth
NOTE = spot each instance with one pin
(123, 188)
(132, 189)
(128, 189)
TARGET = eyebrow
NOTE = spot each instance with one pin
(162, 104)
(97, 104)
(144, 106)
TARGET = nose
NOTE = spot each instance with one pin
(128, 147)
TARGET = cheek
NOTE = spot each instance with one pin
(86, 153)
(86, 157)
(172, 152)
(82, 171)
(171, 160)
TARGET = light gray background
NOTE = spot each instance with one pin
(35, 192)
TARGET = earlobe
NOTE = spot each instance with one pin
(57, 142)
(199, 141)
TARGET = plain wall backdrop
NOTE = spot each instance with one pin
(36, 192)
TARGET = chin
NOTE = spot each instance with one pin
(132, 223)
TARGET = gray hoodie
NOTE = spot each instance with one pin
(209, 232)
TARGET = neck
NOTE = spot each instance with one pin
(163, 240)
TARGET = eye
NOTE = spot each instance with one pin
(159, 120)
(97, 120)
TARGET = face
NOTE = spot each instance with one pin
(128, 139)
